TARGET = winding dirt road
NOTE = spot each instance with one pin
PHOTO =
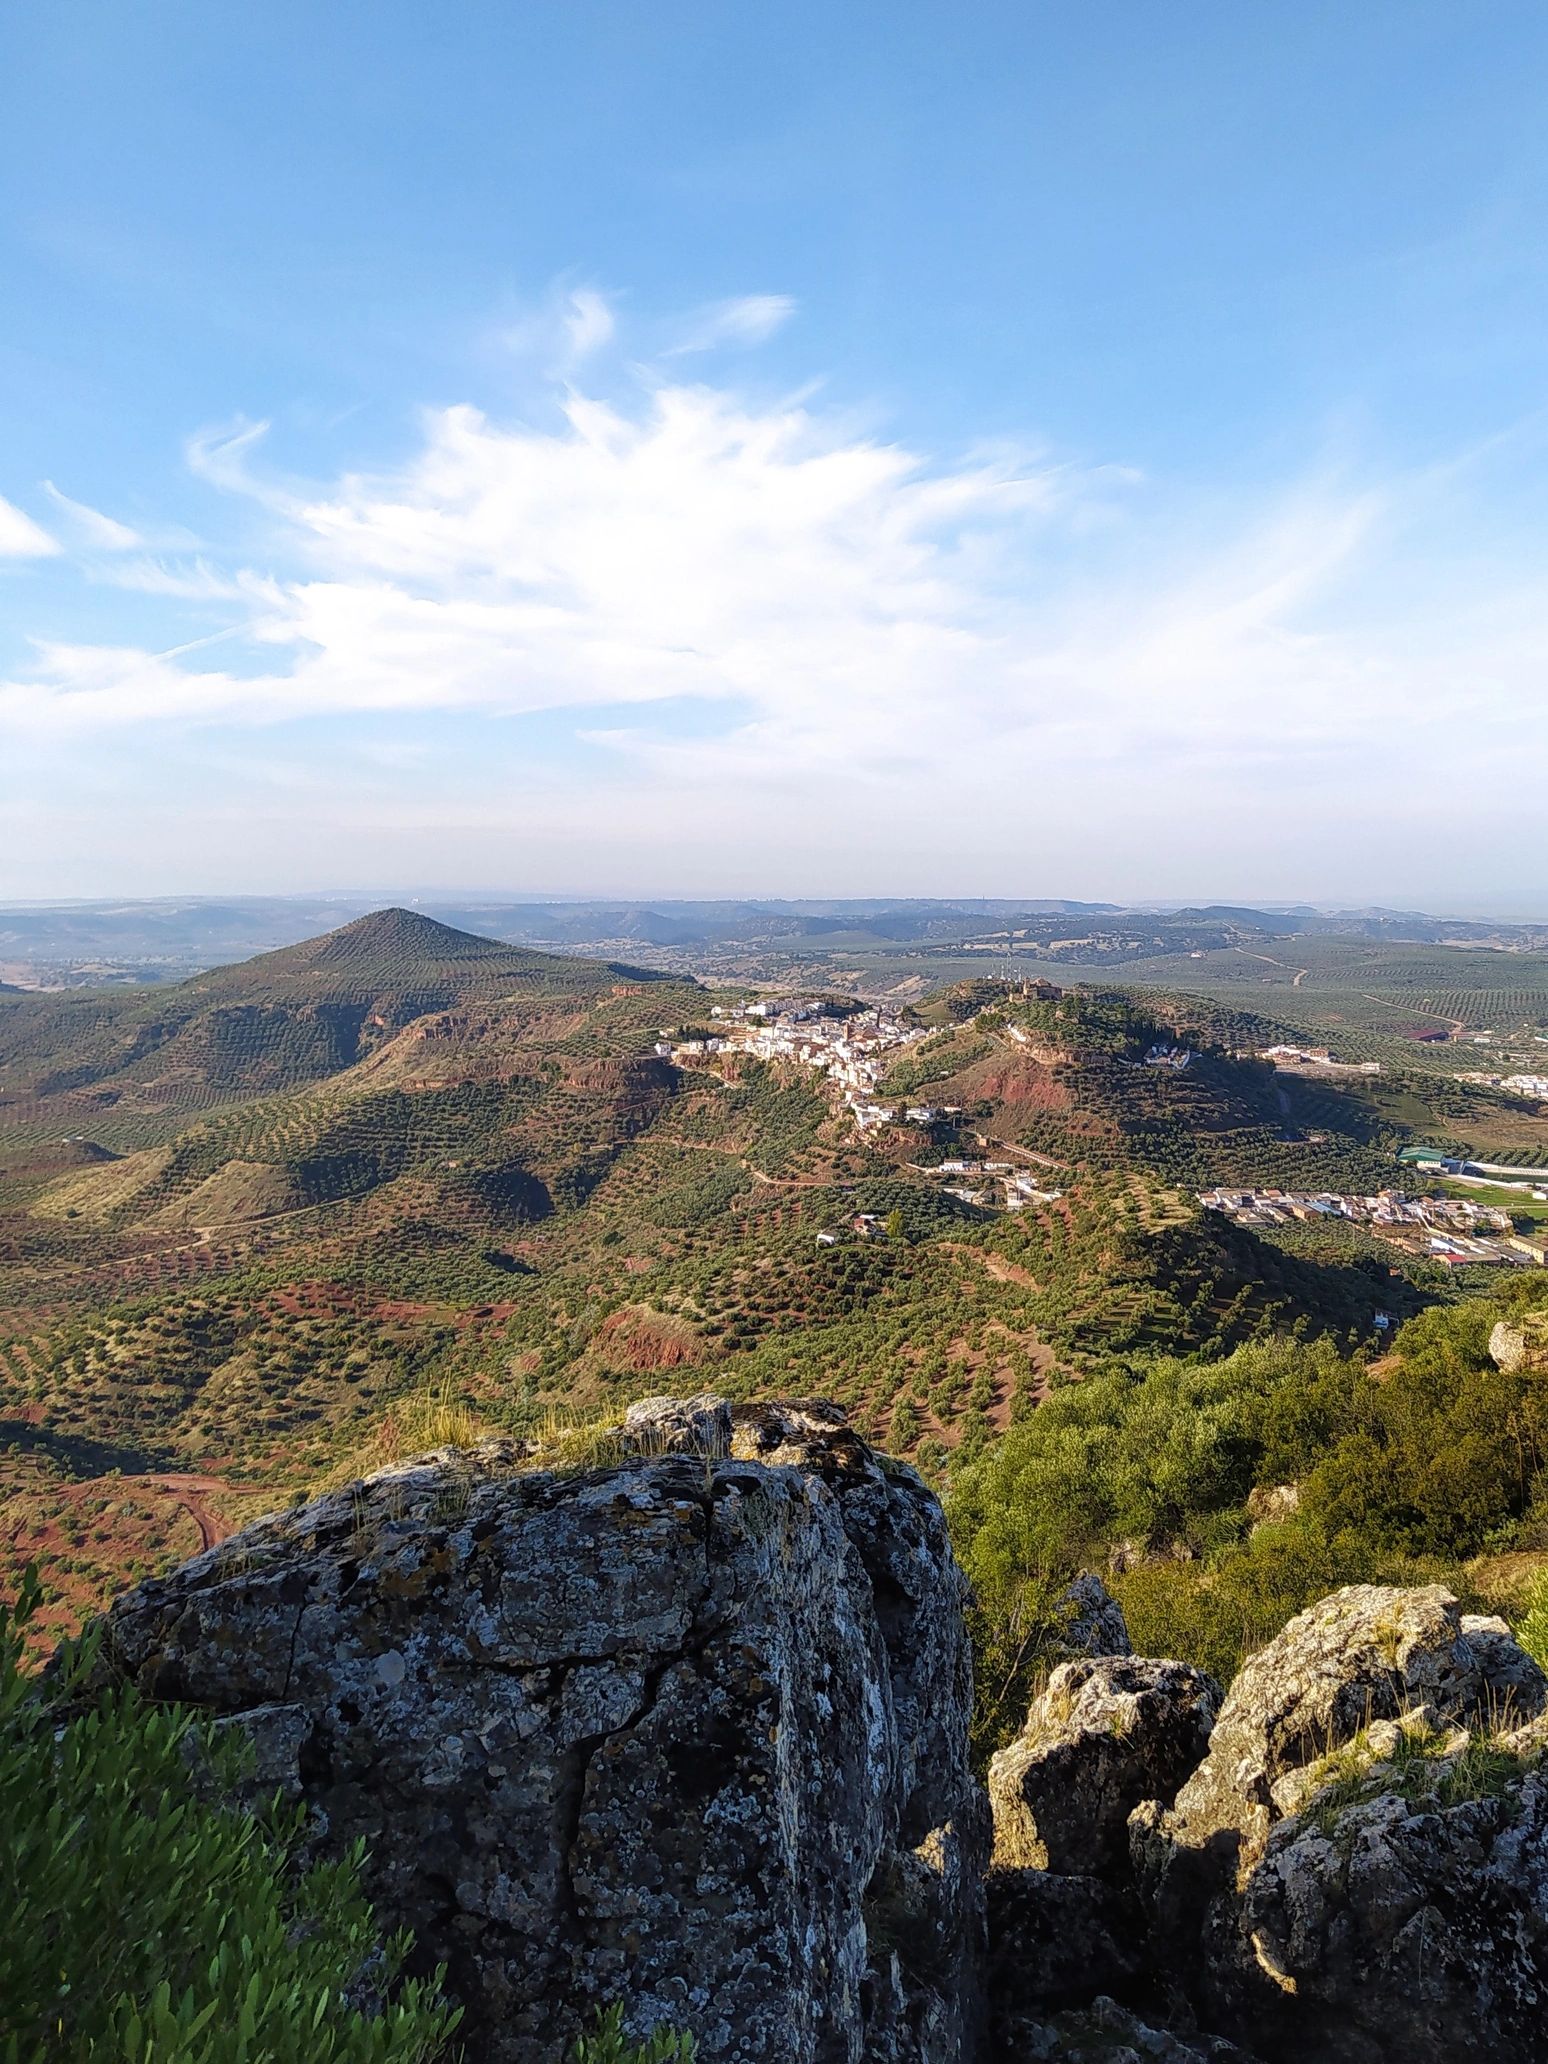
(191, 1492)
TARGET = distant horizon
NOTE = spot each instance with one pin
(410, 898)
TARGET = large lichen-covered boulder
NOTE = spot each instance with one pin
(1368, 1652)
(1357, 1871)
(1105, 1734)
(1403, 1913)
(684, 1729)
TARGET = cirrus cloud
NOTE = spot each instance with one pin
(20, 537)
(749, 319)
(719, 604)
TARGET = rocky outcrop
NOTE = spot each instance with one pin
(686, 1729)
(1093, 1621)
(1056, 1941)
(1399, 1917)
(1357, 1869)
(1521, 1343)
(683, 1426)
(1368, 1652)
(1514, 1687)
(677, 1716)
(1354, 1867)
(1106, 1734)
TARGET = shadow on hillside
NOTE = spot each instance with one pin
(77, 1454)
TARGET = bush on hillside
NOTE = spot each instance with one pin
(1401, 1472)
(1532, 1627)
(146, 1924)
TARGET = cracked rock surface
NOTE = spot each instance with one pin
(1400, 1926)
(688, 1730)
(1105, 1735)
(1368, 1652)
(1358, 1870)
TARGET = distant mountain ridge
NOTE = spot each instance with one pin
(97, 942)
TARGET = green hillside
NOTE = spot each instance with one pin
(1065, 1076)
(472, 1177)
(128, 1067)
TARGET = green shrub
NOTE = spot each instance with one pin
(607, 2044)
(1214, 1613)
(1532, 1628)
(146, 1924)
(1402, 1473)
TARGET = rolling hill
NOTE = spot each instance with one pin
(251, 1214)
(1065, 1075)
(126, 1066)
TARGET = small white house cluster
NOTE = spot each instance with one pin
(1162, 1056)
(1000, 1185)
(1315, 1057)
(1522, 1085)
(1448, 1229)
(853, 1052)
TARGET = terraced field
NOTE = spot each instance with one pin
(1384, 989)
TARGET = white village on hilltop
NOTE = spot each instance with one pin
(853, 1052)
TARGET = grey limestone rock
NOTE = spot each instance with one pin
(1095, 1625)
(1358, 1871)
(687, 1426)
(1368, 1652)
(1514, 1687)
(1107, 1733)
(679, 1731)
(1397, 1926)
(1521, 1343)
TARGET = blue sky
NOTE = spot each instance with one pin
(1062, 450)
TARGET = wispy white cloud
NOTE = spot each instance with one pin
(104, 533)
(753, 614)
(750, 319)
(186, 580)
(588, 323)
(219, 454)
(557, 334)
(20, 537)
(692, 548)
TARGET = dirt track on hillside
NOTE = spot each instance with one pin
(191, 1492)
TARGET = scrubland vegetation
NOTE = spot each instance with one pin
(1222, 1497)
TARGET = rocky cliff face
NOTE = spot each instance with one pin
(683, 1724)
(688, 1729)
(1357, 1869)
(1349, 1862)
